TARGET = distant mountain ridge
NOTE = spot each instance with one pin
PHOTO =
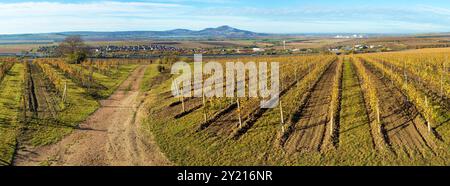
(219, 32)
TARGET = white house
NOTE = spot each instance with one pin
(258, 50)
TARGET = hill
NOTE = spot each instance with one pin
(219, 32)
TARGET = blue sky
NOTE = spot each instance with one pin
(269, 16)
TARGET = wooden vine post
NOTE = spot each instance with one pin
(378, 117)
(281, 116)
(378, 114)
(428, 122)
(204, 107)
(309, 72)
(91, 74)
(295, 75)
(181, 97)
(331, 114)
(406, 79)
(442, 77)
(239, 112)
(406, 76)
(65, 93)
(24, 108)
(89, 78)
(392, 80)
(182, 103)
(331, 123)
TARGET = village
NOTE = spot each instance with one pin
(155, 49)
(358, 48)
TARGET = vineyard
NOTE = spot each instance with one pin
(366, 109)
(42, 100)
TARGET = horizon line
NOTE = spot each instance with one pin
(271, 33)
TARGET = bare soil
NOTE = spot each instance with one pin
(46, 98)
(310, 129)
(110, 136)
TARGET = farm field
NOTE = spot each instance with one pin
(364, 109)
(346, 110)
(43, 102)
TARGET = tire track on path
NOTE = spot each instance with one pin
(110, 136)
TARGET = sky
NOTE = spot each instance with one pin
(265, 16)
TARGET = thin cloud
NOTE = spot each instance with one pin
(29, 9)
(435, 10)
(32, 17)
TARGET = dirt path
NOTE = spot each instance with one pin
(108, 137)
(404, 128)
(310, 130)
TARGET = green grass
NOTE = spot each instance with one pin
(10, 95)
(150, 73)
(355, 139)
(117, 78)
(110, 82)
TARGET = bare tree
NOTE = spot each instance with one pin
(73, 49)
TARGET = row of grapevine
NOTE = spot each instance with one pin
(415, 95)
(292, 70)
(78, 75)
(335, 104)
(104, 66)
(292, 76)
(227, 104)
(5, 65)
(432, 69)
(297, 100)
(53, 76)
(4, 68)
(29, 88)
(243, 105)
